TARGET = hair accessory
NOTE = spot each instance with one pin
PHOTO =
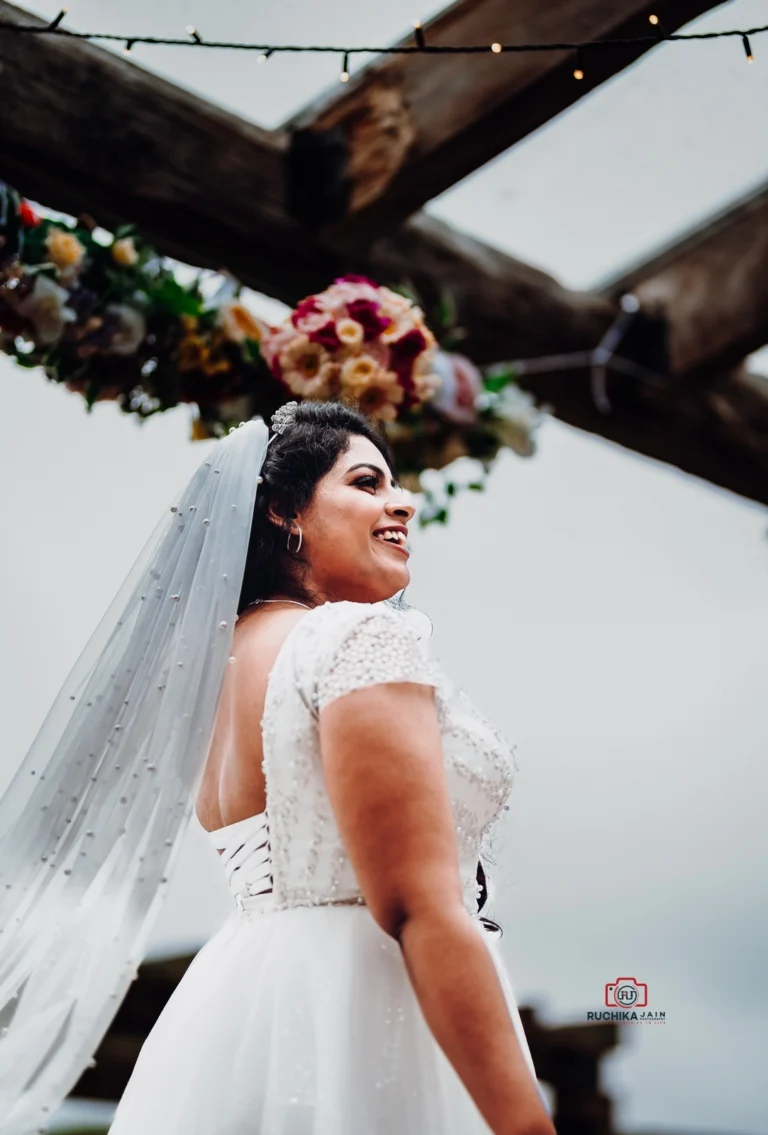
(283, 417)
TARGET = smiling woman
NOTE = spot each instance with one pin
(329, 492)
(350, 788)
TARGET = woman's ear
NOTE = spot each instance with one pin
(275, 517)
(279, 521)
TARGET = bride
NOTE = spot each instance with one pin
(348, 788)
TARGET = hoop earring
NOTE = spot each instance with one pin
(298, 546)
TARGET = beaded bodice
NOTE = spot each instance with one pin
(334, 649)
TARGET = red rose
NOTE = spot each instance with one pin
(326, 336)
(353, 279)
(307, 307)
(366, 313)
(406, 349)
(29, 217)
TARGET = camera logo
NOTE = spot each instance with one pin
(626, 993)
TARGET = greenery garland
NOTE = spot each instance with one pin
(110, 320)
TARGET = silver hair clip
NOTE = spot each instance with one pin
(284, 416)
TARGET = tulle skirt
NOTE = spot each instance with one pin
(299, 1022)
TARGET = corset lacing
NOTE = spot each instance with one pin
(247, 861)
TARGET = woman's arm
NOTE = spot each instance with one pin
(383, 765)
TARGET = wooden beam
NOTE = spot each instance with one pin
(85, 130)
(714, 428)
(411, 126)
(711, 287)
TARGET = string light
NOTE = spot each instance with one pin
(748, 49)
(128, 45)
(196, 40)
(264, 56)
(656, 23)
(578, 71)
(344, 76)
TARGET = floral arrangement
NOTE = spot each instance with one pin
(106, 315)
(109, 320)
(356, 341)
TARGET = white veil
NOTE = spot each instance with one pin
(92, 822)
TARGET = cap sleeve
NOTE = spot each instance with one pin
(379, 647)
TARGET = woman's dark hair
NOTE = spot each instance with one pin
(295, 461)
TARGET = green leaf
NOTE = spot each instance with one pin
(251, 350)
(124, 230)
(498, 380)
(170, 297)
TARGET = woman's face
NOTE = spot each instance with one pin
(349, 555)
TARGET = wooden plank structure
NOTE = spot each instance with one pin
(87, 131)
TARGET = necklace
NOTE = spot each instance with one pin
(298, 604)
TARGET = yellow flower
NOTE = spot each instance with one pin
(238, 323)
(358, 371)
(188, 322)
(124, 251)
(374, 390)
(350, 332)
(65, 251)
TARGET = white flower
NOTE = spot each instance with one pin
(131, 332)
(46, 309)
(517, 416)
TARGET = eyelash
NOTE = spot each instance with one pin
(368, 480)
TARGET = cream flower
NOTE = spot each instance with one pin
(350, 332)
(359, 371)
(375, 390)
(303, 356)
(307, 368)
(237, 322)
(65, 251)
(46, 309)
(131, 332)
(393, 304)
(124, 252)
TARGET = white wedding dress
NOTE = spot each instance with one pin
(298, 1016)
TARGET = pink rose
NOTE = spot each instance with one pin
(461, 384)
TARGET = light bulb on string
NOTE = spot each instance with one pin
(656, 23)
(747, 49)
(496, 48)
(57, 20)
(264, 55)
(128, 45)
(418, 31)
(344, 76)
(578, 71)
(191, 30)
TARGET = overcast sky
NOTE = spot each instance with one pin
(608, 612)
